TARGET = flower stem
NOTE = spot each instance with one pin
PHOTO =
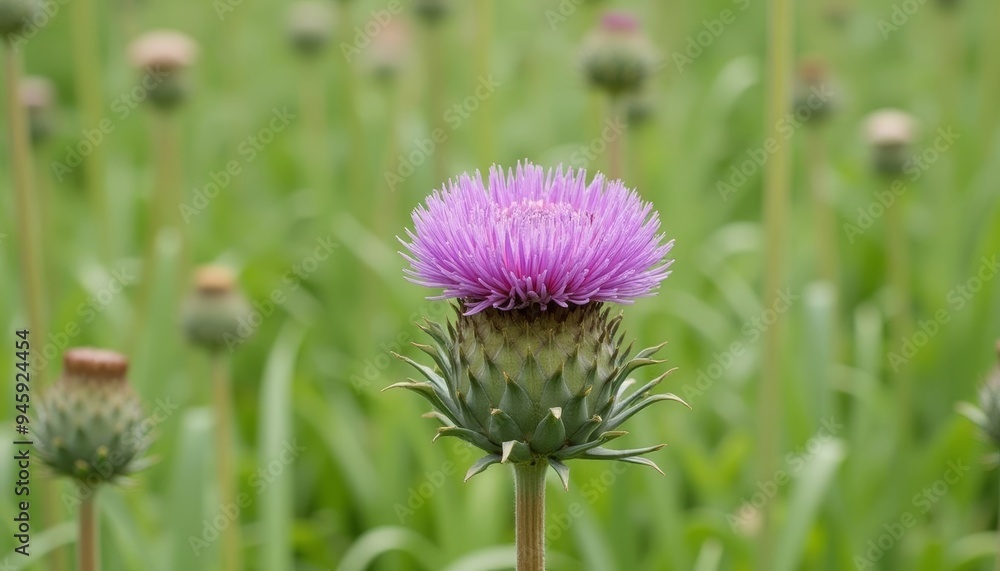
(998, 539)
(529, 511)
(484, 56)
(87, 546)
(358, 155)
(900, 325)
(777, 189)
(437, 82)
(222, 397)
(314, 127)
(616, 153)
(825, 225)
(88, 78)
(25, 196)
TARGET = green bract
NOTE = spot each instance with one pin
(90, 429)
(528, 385)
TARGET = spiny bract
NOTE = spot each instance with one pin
(532, 384)
(90, 422)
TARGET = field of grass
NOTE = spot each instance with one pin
(300, 174)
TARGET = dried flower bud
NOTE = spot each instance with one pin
(815, 95)
(162, 56)
(617, 57)
(309, 26)
(17, 15)
(37, 95)
(214, 310)
(90, 422)
(890, 132)
(389, 50)
(432, 11)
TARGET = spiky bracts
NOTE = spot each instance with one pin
(89, 424)
(531, 384)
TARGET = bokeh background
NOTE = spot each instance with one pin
(334, 151)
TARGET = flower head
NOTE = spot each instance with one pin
(617, 56)
(166, 50)
(90, 423)
(534, 238)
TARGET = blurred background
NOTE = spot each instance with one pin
(294, 146)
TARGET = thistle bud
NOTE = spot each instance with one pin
(814, 95)
(432, 11)
(37, 95)
(162, 56)
(16, 16)
(617, 57)
(890, 133)
(214, 310)
(89, 424)
(389, 50)
(309, 26)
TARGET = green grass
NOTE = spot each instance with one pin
(313, 369)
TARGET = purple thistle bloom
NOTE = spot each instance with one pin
(535, 238)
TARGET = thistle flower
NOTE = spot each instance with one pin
(309, 26)
(987, 415)
(162, 56)
(89, 424)
(214, 310)
(17, 15)
(37, 95)
(618, 57)
(890, 132)
(534, 370)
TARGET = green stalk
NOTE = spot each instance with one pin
(164, 212)
(529, 515)
(998, 538)
(616, 152)
(25, 197)
(356, 130)
(825, 225)
(437, 81)
(484, 56)
(88, 78)
(777, 190)
(900, 325)
(86, 541)
(225, 473)
(314, 126)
